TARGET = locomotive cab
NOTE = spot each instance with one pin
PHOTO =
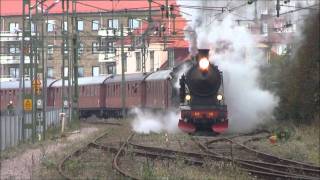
(201, 97)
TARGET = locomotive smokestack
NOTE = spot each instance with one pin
(202, 53)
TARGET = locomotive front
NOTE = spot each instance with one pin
(201, 97)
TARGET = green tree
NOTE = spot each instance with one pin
(299, 78)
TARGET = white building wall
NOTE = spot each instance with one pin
(160, 57)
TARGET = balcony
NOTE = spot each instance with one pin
(12, 59)
(10, 36)
(113, 32)
(107, 57)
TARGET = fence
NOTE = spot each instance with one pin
(11, 127)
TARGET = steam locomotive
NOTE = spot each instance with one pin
(201, 97)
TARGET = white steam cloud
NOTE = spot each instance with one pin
(146, 121)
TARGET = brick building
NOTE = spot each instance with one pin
(99, 29)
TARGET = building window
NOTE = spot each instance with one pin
(65, 26)
(65, 48)
(80, 72)
(14, 72)
(81, 48)
(264, 28)
(33, 28)
(50, 49)
(95, 25)
(110, 47)
(80, 25)
(151, 61)
(50, 52)
(13, 27)
(95, 70)
(65, 71)
(111, 68)
(50, 72)
(95, 47)
(113, 23)
(50, 25)
(138, 61)
(14, 49)
(133, 23)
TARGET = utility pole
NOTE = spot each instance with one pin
(278, 8)
(24, 51)
(75, 44)
(123, 83)
(65, 93)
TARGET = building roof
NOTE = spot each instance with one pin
(14, 7)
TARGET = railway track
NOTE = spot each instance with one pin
(260, 164)
(256, 162)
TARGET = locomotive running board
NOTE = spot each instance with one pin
(186, 127)
(219, 128)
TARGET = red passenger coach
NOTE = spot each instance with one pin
(11, 91)
(158, 90)
(91, 95)
(134, 93)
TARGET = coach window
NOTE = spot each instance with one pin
(138, 61)
(136, 88)
(83, 91)
(128, 90)
(92, 91)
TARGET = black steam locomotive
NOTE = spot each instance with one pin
(201, 97)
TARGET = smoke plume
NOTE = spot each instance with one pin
(146, 121)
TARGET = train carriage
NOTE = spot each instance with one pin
(10, 93)
(159, 90)
(134, 93)
(91, 95)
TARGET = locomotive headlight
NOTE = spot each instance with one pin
(188, 97)
(204, 64)
(219, 97)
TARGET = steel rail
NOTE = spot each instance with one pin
(260, 167)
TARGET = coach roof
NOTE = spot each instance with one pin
(159, 75)
(15, 84)
(92, 80)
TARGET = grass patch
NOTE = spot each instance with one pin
(303, 144)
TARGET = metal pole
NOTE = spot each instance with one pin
(75, 110)
(21, 74)
(123, 85)
(44, 76)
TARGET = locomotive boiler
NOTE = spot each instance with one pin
(201, 97)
